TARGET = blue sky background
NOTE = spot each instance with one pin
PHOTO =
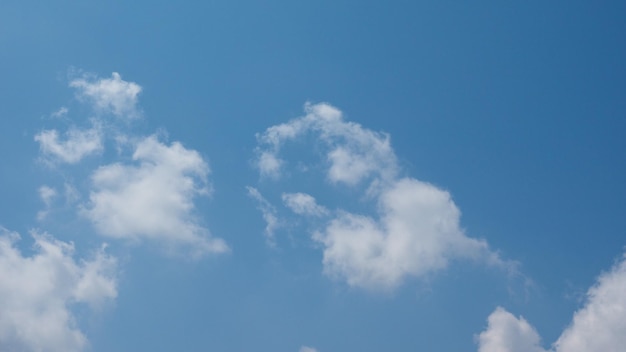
(517, 109)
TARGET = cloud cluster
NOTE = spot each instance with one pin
(153, 199)
(36, 293)
(150, 199)
(506, 333)
(416, 229)
(598, 326)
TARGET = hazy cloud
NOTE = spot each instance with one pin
(269, 214)
(47, 194)
(303, 204)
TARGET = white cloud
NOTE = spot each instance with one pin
(269, 165)
(307, 349)
(269, 214)
(416, 230)
(60, 113)
(601, 324)
(76, 145)
(355, 153)
(506, 333)
(598, 326)
(109, 95)
(153, 199)
(47, 194)
(37, 292)
(303, 204)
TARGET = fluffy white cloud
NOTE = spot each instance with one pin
(598, 326)
(506, 333)
(37, 292)
(416, 229)
(601, 324)
(109, 95)
(417, 232)
(303, 204)
(75, 145)
(153, 199)
(354, 153)
(269, 214)
(307, 349)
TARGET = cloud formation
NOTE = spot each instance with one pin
(598, 326)
(307, 349)
(109, 95)
(37, 292)
(416, 230)
(506, 333)
(303, 204)
(153, 198)
(269, 214)
(75, 145)
(353, 152)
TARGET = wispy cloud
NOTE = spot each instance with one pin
(303, 204)
(47, 194)
(72, 147)
(37, 292)
(269, 214)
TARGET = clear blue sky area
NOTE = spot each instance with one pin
(312, 176)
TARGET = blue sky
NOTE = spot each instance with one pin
(312, 176)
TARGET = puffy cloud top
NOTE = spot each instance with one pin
(36, 293)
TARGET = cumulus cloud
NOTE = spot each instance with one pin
(269, 214)
(598, 326)
(72, 147)
(601, 323)
(303, 204)
(109, 95)
(506, 333)
(416, 229)
(354, 153)
(307, 349)
(38, 291)
(153, 198)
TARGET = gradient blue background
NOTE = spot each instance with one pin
(518, 109)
